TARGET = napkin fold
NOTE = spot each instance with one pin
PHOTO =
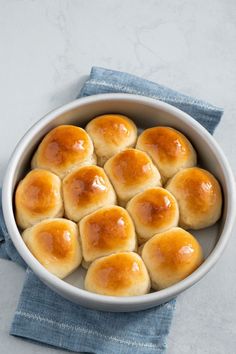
(46, 317)
(104, 81)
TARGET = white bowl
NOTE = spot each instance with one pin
(145, 112)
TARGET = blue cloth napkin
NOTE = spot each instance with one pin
(46, 317)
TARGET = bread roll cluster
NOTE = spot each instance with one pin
(117, 204)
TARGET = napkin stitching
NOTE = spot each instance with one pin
(83, 330)
(144, 93)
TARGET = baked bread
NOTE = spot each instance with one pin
(55, 244)
(111, 133)
(169, 149)
(171, 256)
(64, 148)
(198, 194)
(38, 196)
(105, 231)
(85, 190)
(131, 171)
(120, 274)
(153, 211)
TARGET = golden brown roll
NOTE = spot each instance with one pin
(55, 244)
(153, 211)
(105, 231)
(111, 133)
(171, 256)
(169, 149)
(198, 194)
(64, 148)
(38, 196)
(131, 171)
(120, 274)
(85, 190)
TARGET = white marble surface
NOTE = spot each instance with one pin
(47, 46)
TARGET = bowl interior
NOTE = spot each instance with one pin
(144, 115)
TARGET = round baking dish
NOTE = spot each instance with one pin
(145, 112)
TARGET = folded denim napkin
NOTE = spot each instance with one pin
(46, 317)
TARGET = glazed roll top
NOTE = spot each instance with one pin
(120, 274)
(131, 171)
(64, 148)
(169, 149)
(171, 256)
(38, 196)
(111, 133)
(106, 231)
(55, 244)
(85, 190)
(154, 210)
(199, 197)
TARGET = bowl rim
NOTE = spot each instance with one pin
(71, 290)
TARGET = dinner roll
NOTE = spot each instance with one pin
(198, 194)
(120, 274)
(169, 149)
(55, 244)
(154, 210)
(37, 197)
(171, 256)
(64, 148)
(111, 133)
(131, 171)
(85, 190)
(105, 231)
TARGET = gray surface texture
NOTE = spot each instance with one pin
(46, 49)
